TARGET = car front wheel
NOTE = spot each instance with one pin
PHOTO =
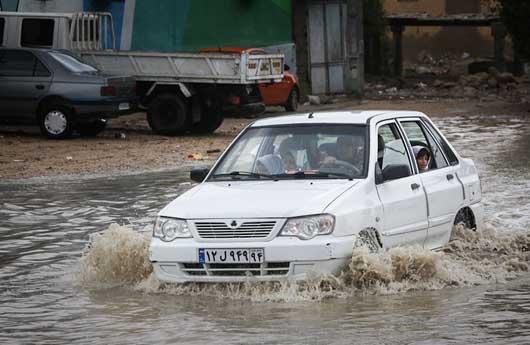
(369, 238)
(56, 121)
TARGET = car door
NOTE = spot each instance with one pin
(441, 184)
(24, 80)
(403, 199)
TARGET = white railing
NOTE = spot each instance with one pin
(92, 31)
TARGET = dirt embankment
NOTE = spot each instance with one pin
(128, 145)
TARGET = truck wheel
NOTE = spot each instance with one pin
(211, 119)
(56, 121)
(292, 101)
(91, 129)
(168, 115)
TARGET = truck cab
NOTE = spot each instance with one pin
(70, 31)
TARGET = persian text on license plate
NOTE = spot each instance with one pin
(235, 255)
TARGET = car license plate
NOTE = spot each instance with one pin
(123, 106)
(230, 256)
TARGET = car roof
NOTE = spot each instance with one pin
(33, 49)
(335, 117)
(37, 14)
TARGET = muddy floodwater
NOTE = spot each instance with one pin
(476, 291)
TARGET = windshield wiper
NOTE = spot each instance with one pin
(315, 174)
(235, 174)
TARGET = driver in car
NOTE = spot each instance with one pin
(349, 156)
(286, 152)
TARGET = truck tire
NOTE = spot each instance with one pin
(211, 119)
(56, 121)
(292, 101)
(91, 129)
(168, 114)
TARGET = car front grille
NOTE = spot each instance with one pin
(236, 270)
(221, 230)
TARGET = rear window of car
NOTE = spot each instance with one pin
(72, 64)
(2, 25)
(37, 32)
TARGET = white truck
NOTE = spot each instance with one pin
(182, 92)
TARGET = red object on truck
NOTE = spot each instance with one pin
(285, 93)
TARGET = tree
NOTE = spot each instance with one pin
(516, 16)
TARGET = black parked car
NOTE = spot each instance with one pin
(60, 93)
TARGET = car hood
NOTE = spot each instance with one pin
(256, 199)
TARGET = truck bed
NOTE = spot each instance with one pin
(217, 68)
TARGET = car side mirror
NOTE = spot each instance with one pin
(199, 174)
(395, 171)
(286, 67)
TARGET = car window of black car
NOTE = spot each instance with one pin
(16, 63)
(21, 64)
(2, 24)
(40, 70)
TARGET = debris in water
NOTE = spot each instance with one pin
(196, 156)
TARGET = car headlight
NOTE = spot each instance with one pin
(306, 228)
(168, 229)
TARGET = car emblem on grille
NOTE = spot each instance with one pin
(233, 225)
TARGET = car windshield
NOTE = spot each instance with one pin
(73, 64)
(287, 152)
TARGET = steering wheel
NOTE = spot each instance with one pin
(339, 166)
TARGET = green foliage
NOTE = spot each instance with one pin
(516, 17)
(376, 45)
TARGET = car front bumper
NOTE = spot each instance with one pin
(285, 258)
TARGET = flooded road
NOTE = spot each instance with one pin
(475, 292)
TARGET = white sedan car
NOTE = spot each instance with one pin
(295, 194)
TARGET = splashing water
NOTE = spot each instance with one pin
(120, 256)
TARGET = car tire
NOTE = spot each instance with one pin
(466, 218)
(92, 129)
(211, 119)
(292, 101)
(369, 238)
(56, 121)
(168, 115)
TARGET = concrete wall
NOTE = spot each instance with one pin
(436, 40)
(50, 5)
